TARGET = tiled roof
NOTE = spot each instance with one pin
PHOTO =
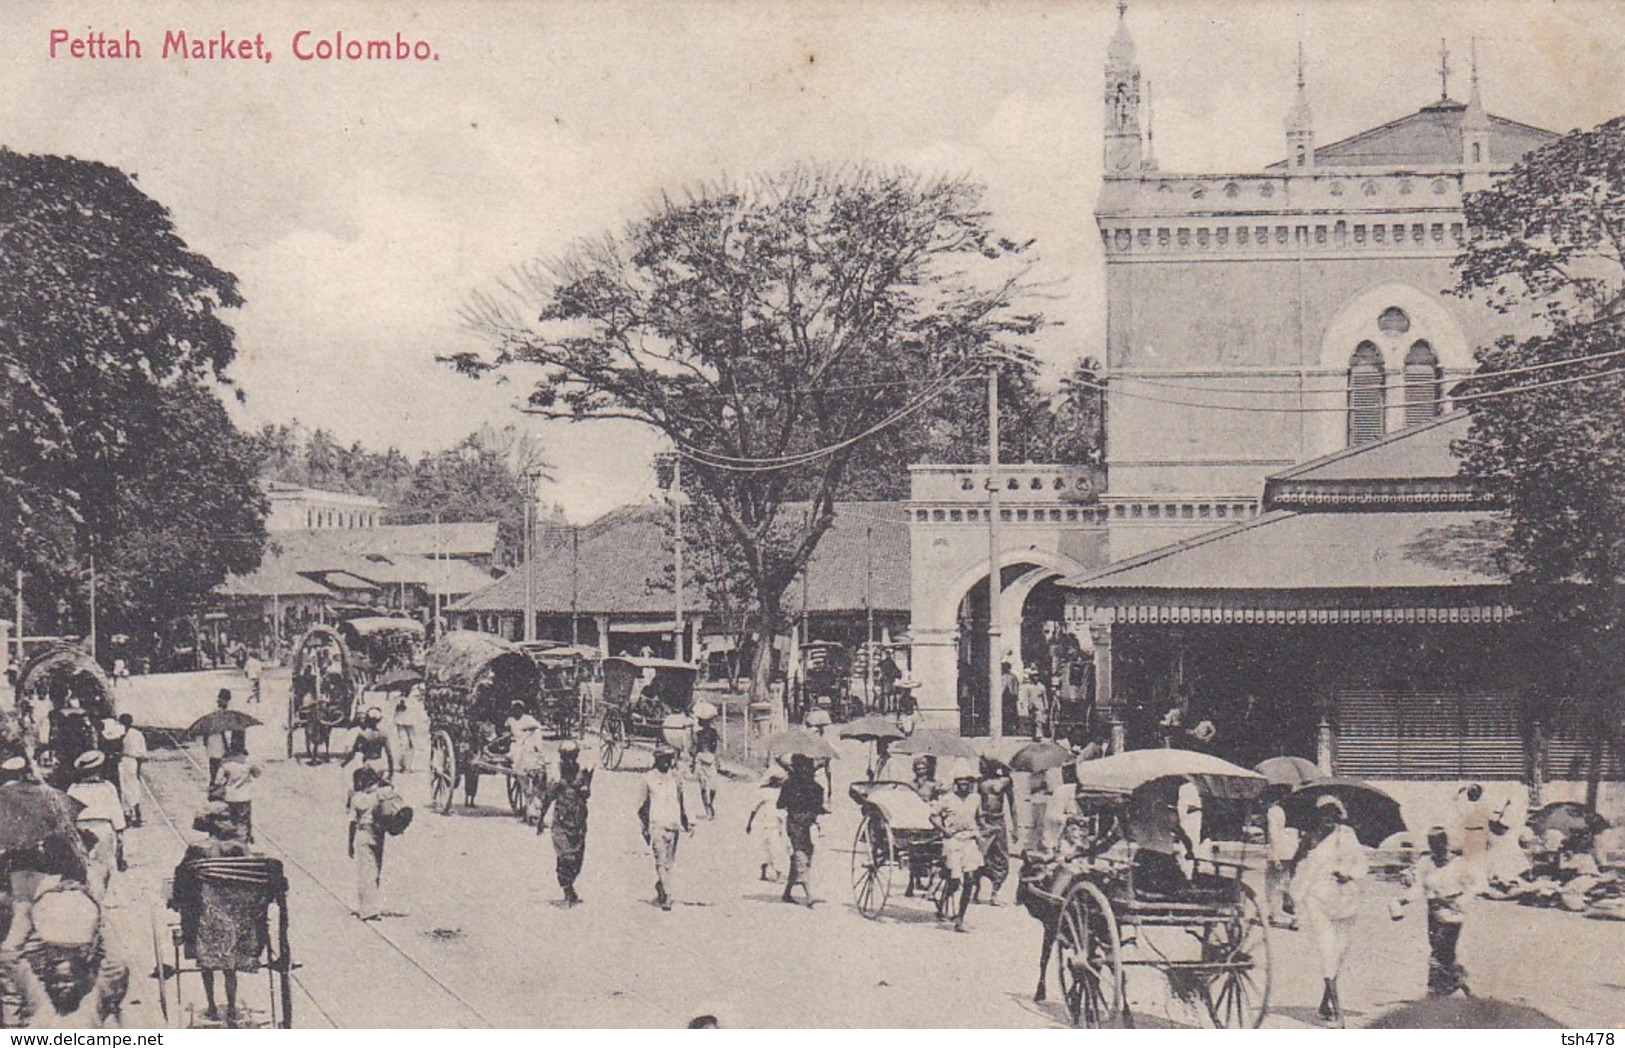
(1431, 136)
(622, 566)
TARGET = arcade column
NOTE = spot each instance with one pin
(936, 667)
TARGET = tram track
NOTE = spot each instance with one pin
(283, 852)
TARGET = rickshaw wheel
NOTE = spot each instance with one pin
(516, 795)
(873, 860)
(1089, 952)
(1235, 995)
(442, 772)
(614, 743)
(162, 944)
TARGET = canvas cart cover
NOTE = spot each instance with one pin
(902, 807)
(491, 671)
(62, 667)
(671, 682)
(314, 639)
(376, 625)
(1123, 773)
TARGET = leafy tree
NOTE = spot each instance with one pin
(112, 344)
(1548, 244)
(769, 329)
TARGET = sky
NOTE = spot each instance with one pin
(360, 203)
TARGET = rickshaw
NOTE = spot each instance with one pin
(380, 644)
(1131, 890)
(474, 679)
(58, 673)
(565, 670)
(895, 836)
(645, 700)
(826, 680)
(252, 884)
(324, 690)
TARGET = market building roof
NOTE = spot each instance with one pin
(621, 564)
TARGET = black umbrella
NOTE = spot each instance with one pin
(1373, 815)
(1288, 771)
(31, 813)
(221, 722)
(1566, 817)
(933, 743)
(1464, 1013)
(800, 742)
(398, 680)
(1041, 755)
(872, 729)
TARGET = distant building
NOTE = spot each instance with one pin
(609, 586)
(295, 508)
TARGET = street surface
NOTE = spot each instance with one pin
(482, 940)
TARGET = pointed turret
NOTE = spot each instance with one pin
(1300, 123)
(1475, 122)
(1124, 148)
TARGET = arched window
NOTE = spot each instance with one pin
(1478, 153)
(1422, 387)
(1366, 378)
(1303, 156)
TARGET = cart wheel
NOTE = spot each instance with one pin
(442, 772)
(1237, 993)
(873, 860)
(516, 795)
(1089, 953)
(161, 944)
(614, 744)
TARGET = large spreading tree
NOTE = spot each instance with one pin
(113, 441)
(773, 331)
(1548, 247)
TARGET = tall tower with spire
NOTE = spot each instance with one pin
(1300, 125)
(1125, 153)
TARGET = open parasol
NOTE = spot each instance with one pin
(1124, 773)
(1288, 771)
(1041, 755)
(220, 722)
(1566, 817)
(31, 813)
(800, 742)
(1373, 815)
(398, 680)
(1464, 1013)
(703, 710)
(930, 742)
(872, 729)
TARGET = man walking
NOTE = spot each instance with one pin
(254, 670)
(995, 819)
(566, 796)
(663, 813)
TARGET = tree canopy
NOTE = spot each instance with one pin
(114, 440)
(775, 331)
(1548, 243)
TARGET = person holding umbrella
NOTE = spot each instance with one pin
(215, 742)
(1326, 887)
(802, 801)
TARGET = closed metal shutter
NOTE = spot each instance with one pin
(1568, 754)
(1398, 735)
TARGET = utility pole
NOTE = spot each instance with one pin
(93, 607)
(575, 588)
(19, 620)
(995, 583)
(677, 518)
(529, 632)
(869, 615)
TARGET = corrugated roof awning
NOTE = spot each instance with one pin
(1290, 551)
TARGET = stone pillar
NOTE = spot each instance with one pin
(936, 666)
(1100, 636)
(602, 622)
(1325, 740)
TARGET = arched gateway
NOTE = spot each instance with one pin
(1051, 525)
